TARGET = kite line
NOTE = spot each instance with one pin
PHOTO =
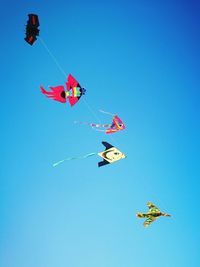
(64, 73)
(52, 56)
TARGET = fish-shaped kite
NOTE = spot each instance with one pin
(115, 126)
(32, 29)
(151, 215)
(109, 155)
(73, 91)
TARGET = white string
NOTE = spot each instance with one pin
(64, 73)
(91, 110)
(52, 56)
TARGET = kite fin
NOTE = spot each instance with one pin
(107, 145)
(102, 163)
(57, 93)
(166, 215)
(148, 221)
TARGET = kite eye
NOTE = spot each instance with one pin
(116, 153)
(83, 91)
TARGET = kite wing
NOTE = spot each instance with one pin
(72, 100)
(32, 29)
(153, 208)
(107, 145)
(75, 91)
(71, 82)
(148, 221)
(103, 162)
(57, 93)
(33, 20)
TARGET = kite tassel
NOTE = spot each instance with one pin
(105, 112)
(67, 159)
(94, 125)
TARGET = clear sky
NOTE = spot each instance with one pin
(138, 59)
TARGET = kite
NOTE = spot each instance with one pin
(109, 155)
(116, 125)
(151, 215)
(73, 93)
(32, 29)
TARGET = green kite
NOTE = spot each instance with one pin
(151, 215)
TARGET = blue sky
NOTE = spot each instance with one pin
(138, 59)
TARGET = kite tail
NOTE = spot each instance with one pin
(94, 125)
(81, 157)
(166, 215)
(105, 112)
(99, 130)
(57, 93)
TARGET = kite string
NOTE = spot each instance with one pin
(52, 56)
(95, 116)
(63, 72)
(91, 110)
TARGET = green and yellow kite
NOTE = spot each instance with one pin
(151, 215)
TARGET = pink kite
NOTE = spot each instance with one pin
(116, 125)
(73, 93)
